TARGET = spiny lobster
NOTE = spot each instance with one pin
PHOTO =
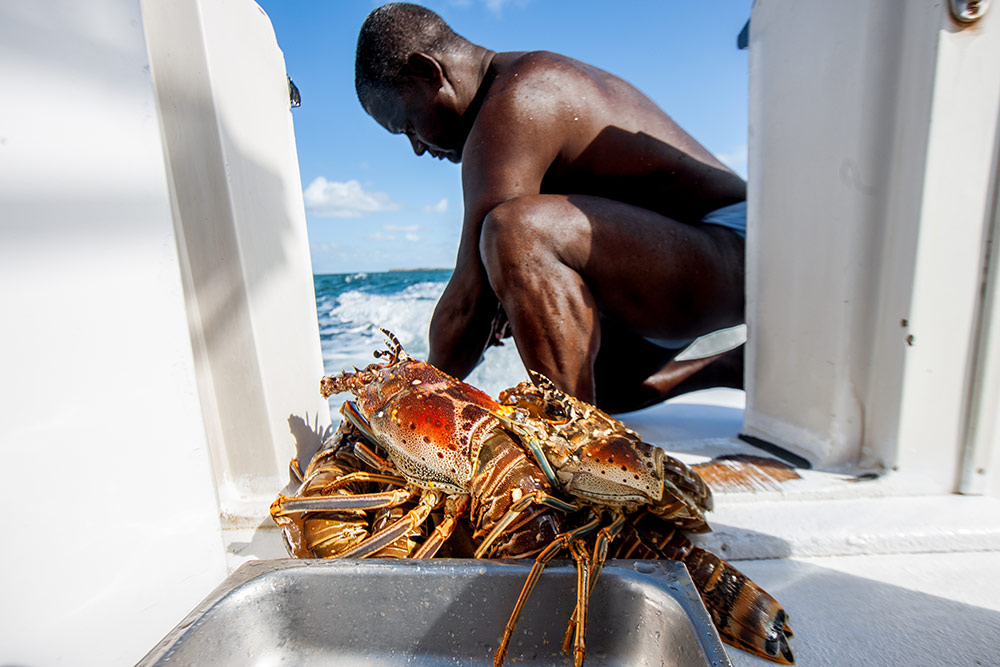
(599, 462)
(447, 447)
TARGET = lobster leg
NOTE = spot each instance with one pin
(536, 497)
(294, 471)
(402, 547)
(363, 501)
(369, 457)
(362, 477)
(604, 537)
(413, 519)
(600, 555)
(352, 415)
(585, 579)
(561, 541)
(452, 512)
(536, 451)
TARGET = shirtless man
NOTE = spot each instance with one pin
(585, 213)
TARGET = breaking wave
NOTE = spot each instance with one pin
(352, 307)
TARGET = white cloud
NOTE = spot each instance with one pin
(440, 207)
(495, 6)
(389, 233)
(736, 160)
(330, 199)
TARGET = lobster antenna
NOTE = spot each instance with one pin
(540, 380)
(395, 347)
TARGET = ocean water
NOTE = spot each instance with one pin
(352, 306)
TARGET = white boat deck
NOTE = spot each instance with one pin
(919, 610)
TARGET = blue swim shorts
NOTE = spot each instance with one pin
(732, 217)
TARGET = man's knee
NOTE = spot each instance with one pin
(519, 228)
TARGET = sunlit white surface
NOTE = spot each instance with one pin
(700, 415)
(901, 610)
(113, 523)
(871, 198)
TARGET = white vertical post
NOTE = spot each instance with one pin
(980, 473)
(234, 173)
(111, 524)
(872, 128)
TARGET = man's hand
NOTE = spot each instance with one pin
(463, 322)
(500, 328)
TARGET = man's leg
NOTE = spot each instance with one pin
(561, 264)
(631, 373)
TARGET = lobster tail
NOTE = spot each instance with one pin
(746, 616)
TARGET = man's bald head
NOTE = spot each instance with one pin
(389, 36)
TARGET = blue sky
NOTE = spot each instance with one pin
(372, 205)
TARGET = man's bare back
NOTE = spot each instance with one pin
(583, 219)
(596, 134)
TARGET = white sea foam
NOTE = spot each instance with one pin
(502, 368)
(350, 322)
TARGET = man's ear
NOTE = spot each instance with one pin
(423, 66)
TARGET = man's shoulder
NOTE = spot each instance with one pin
(526, 68)
(533, 106)
(531, 59)
(529, 82)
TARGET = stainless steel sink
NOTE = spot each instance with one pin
(439, 612)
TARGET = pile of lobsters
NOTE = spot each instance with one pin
(425, 465)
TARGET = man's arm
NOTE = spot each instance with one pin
(506, 155)
(462, 321)
(462, 325)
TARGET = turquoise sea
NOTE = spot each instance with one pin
(352, 306)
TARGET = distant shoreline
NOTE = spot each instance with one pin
(354, 273)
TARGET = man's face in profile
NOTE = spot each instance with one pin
(420, 112)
